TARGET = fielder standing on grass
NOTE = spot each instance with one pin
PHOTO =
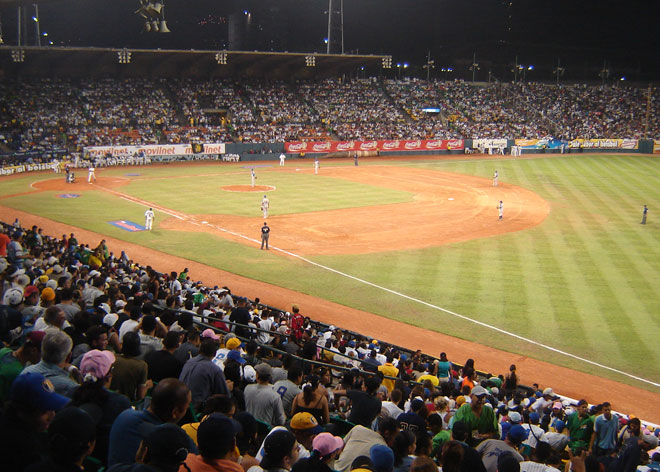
(265, 232)
(316, 165)
(500, 209)
(265, 204)
(495, 177)
(282, 158)
(254, 176)
(148, 219)
(644, 213)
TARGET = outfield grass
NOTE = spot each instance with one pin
(583, 281)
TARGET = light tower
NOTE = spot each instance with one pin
(335, 27)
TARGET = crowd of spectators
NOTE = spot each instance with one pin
(106, 363)
(46, 114)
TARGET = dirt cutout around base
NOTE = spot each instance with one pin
(446, 208)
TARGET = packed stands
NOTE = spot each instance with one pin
(109, 358)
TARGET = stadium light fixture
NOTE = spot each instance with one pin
(18, 55)
(221, 58)
(153, 14)
(124, 56)
(386, 62)
(310, 61)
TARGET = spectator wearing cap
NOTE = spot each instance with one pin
(216, 439)
(162, 364)
(71, 438)
(234, 350)
(304, 427)
(325, 449)
(280, 452)
(13, 362)
(54, 364)
(477, 415)
(31, 309)
(535, 433)
(580, 427)
(130, 374)
(241, 315)
(545, 400)
(630, 456)
(202, 376)
(170, 400)
(262, 401)
(27, 414)
(382, 458)
(606, 428)
(15, 253)
(94, 397)
(491, 449)
(359, 441)
(512, 418)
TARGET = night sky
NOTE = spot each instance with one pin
(583, 34)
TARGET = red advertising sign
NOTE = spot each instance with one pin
(297, 147)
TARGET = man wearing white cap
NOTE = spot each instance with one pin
(479, 417)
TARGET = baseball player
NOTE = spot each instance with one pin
(254, 176)
(282, 158)
(644, 213)
(91, 175)
(265, 232)
(500, 208)
(495, 177)
(316, 165)
(265, 204)
(148, 219)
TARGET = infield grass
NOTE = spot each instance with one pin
(584, 281)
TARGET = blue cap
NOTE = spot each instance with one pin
(382, 458)
(517, 433)
(534, 417)
(35, 390)
(236, 355)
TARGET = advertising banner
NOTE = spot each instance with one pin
(9, 170)
(155, 150)
(656, 146)
(297, 147)
(544, 143)
(629, 144)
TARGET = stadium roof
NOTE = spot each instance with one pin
(85, 62)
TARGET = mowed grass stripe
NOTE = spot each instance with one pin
(594, 264)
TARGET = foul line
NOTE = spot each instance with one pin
(385, 289)
(463, 317)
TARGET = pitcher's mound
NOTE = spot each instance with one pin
(248, 188)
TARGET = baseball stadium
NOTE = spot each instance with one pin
(511, 225)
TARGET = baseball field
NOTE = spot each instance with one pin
(569, 276)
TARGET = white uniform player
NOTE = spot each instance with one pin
(91, 175)
(316, 165)
(265, 204)
(500, 209)
(254, 177)
(148, 219)
(282, 158)
(495, 177)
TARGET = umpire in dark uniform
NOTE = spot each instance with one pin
(265, 232)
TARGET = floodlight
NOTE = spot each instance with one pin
(163, 27)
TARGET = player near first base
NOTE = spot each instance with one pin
(316, 165)
(496, 175)
(91, 174)
(148, 219)
(254, 176)
(265, 204)
(500, 209)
